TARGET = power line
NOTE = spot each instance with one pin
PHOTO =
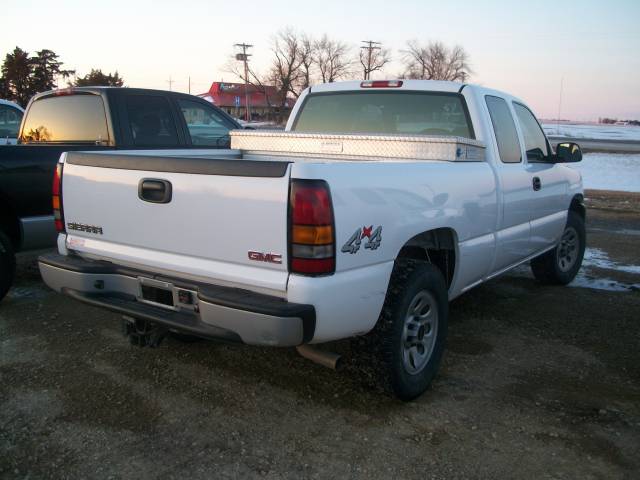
(370, 46)
(244, 57)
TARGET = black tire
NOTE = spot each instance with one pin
(409, 281)
(561, 265)
(7, 265)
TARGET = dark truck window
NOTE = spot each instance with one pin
(150, 121)
(66, 118)
(505, 129)
(10, 119)
(535, 142)
(206, 126)
(385, 112)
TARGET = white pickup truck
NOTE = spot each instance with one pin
(379, 203)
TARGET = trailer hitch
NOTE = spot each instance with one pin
(143, 333)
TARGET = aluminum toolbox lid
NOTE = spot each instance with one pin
(359, 147)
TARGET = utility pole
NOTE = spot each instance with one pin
(189, 84)
(559, 106)
(370, 46)
(170, 82)
(244, 57)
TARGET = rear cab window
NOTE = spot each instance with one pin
(78, 118)
(505, 129)
(379, 112)
(150, 121)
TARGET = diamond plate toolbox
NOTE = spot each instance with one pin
(359, 147)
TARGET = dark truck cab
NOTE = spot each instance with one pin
(83, 119)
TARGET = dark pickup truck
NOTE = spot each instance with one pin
(89, 118)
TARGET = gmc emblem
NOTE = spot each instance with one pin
(265, 257)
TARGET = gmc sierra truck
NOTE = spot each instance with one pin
(381, 201)
(87, 118)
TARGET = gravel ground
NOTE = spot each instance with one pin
(537, 382)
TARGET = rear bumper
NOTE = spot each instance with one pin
(218, 312)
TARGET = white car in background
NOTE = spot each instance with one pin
(10, 118)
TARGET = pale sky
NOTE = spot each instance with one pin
(524, 48)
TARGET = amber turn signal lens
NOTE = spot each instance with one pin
(310, 235)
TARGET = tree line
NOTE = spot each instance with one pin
(22, 75)
(298, 60)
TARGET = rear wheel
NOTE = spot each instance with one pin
(561, 265)
(7, 265)
(410, 335)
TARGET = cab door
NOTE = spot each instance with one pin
(513, 234)
(547, 213)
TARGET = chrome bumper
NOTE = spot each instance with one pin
(214, 312)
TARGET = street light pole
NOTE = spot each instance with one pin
(244, 56)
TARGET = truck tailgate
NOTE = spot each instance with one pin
(116, 207)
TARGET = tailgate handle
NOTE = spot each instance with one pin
(154, 190)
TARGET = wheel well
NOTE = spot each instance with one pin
(10, 225)
(437, 247)
(577, 205)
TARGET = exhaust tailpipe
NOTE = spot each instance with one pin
(326, 359)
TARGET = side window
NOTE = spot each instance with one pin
(67, 118)
(206, 126)
(505, 129)
(535, 142)
(150, 121)
(10, 119)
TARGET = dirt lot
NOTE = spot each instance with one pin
(538, 382)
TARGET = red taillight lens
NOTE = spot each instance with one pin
(311, 235)
(381, 84)
(57, 198)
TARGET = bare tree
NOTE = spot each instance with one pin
(332, 59)
(373, 58)
(306, 57)
(434, 61)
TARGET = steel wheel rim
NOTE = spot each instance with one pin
(419, 332)
(567, 252)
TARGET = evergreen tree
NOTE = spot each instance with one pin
(96, 78)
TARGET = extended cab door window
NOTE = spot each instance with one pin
(206, 126)
(534, 140)
(150, 121)
(505, 129)
(77, 118)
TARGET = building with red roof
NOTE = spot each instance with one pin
(264, 102)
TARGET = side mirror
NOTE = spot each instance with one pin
(568, 153)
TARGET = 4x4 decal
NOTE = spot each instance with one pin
(373, 239)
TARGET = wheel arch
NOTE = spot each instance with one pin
(9, 222)
(577, 205)
(436, 246)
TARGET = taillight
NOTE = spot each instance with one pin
(311, 236)
(381, 84)
(57, 198)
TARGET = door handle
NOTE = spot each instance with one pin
(537, 184)
(154, 190)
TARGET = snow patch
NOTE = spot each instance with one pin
(609, 171)
(595, 257)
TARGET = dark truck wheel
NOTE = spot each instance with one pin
(410, 335)
(560, 265)
(7, 265)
